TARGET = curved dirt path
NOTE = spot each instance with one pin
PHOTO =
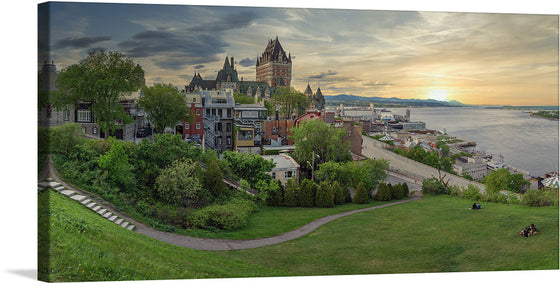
(218, 244)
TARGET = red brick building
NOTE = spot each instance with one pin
(194, 131)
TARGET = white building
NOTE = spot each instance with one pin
(285, 169)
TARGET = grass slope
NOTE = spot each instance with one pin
(431, 235)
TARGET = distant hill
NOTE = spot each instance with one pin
(410, 102)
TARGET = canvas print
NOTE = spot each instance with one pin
(191, 141)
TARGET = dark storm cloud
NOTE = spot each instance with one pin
(247, 62)
(181, 48)
(81, 42)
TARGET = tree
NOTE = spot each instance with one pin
(361, 196)
(117, 166)
(164, 106)
(102, 79)
(250, 167)
(324, 197)
(291, 193)
(433, 186)
(383, 192)
(214, 179)
(289, 101)
(307, 193)
(339, 194)
(517, 183)
(497, 181)
(178, 184)
(326, 142)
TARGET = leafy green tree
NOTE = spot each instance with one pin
(64, 138)
(164, 106)
(497, 181)
(405, 189)
(289, 100)
(325, 141)
(307, 193)
(117, 166)
(324, 197)
(361, 196)
(178, 184)
(103, 79)
(517, 183)
(243, 99)
(250, 167)
(397, 192)
(214, 180)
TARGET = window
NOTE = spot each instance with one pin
(229, 140)
(219, 141)
(83, 129)
(274, 175)
(186, 125)
(197, 112)
(229, 113)
(220, 112)
(228, 127)
(349, 133)
(84, 115)
(198, 125)
(194, 100)
(288, 174)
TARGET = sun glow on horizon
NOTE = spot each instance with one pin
(438, 95)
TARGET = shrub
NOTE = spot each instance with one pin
(397, 192)
(537, 198)
(230, 216)
(361, 196)
(347, 195)
(307, 193)
(405, 189)
(65, 137)
(324, 197)
(291, 193)
(472, 193)
(339, 194)
(432, 186)
(276, 194)
(214, 179)
(383, 193)
(456, 191)
(178, 184)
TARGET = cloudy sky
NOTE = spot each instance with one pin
(475, 58)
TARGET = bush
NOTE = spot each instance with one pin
(178, 184)
(347, 195)
(361, 196)
(397, 192)
(229, 217)
(339, 194)
(324, 197)
(455, 191)
(537, 198)
(383, 193)
(291, 193)
(307, 193)
(65, 137)
(472, 193)
(405, 189)
(432, 186)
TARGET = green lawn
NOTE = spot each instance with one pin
(434, 234)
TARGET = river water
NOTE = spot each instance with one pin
(525, 142)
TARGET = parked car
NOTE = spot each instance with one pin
(142, 132)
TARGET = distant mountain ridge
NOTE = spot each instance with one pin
(412, 102)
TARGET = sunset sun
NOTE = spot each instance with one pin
(438, 95)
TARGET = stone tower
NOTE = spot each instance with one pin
(274, 66)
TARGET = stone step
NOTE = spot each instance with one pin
(102, 211)
(78, 197)
(46, 184)
(119, 221)
(91, 205)
(108, 215)
(113, 218)
(85, 201)
(96, 208)
(131, 227)
(124, 224)
(59, 188)
(68, 192)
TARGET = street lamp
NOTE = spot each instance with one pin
(313, 165)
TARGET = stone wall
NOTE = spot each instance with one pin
(375, 149)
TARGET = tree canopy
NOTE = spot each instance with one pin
(164, 105)
(102, 79)
(326, 141)
(290, 100)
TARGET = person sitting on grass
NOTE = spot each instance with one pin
(533, 230)
(478, 206)
(474, 207)
(525, 232)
